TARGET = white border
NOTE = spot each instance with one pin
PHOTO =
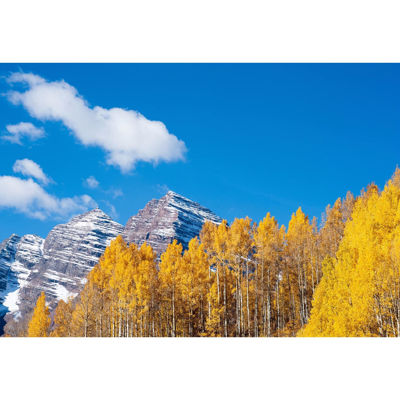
(199, 31)
(199, 368)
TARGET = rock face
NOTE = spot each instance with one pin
(171, 217)
(18, 257)
(70, 251)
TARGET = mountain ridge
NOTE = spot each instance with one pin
(173, 216)
(70, 250)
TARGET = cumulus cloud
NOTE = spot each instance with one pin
(28, 167)
(92, 182)
(23, 129)
(28, 197)
(125, 135)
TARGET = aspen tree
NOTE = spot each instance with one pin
(195, 283)
(146, 289)
(297, 275)
(268, 243)
(207, 237)
(40, 323)
(332, 232)
(239, 256)
(85, 316)
(220, 316)
(62, 319)
(169, 276)
(360, 293)
(347, 206)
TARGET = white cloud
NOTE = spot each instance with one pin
(112, 211)
(29, 168)
(163, 189)
(125, 135)
(30, 79)
(92, 182)
(23, 129)
(115, 193)
(26, 196)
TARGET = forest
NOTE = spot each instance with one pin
(336, 277)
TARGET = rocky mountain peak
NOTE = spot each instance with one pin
(89, 216)
(173, 216)
(69, 252)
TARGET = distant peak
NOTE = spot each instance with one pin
(172, 193)
(31, 235)
(96, 212)
(93, 211)
(173, 197)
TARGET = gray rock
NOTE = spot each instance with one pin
(70, 251)
(18, 256)
(171, 217)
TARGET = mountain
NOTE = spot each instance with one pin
(171, 217)
(18, 256)
(59, 264)
(70, 251)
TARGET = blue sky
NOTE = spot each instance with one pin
(241, 139)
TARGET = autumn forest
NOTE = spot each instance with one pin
(336, 277)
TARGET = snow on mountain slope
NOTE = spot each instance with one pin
(171, 217)
(18, 256)
(69, 252)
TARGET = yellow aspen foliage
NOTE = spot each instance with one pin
(332, 232)
(40, 323)
(170, 285)
(215, 312)
(268, 243)
(239, 251)
(120, 297)
(145, 290)
(322, 313)
(222, 290)
(347, 206)
(62, 319)
(215, 238)
(194, 287)
(361, 291)
(87, 313)
(298, 272)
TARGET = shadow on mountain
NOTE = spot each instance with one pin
(8, 295)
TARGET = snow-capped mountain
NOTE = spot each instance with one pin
(70, 251)
(171, 217)
(59, 264)
(18, 257)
